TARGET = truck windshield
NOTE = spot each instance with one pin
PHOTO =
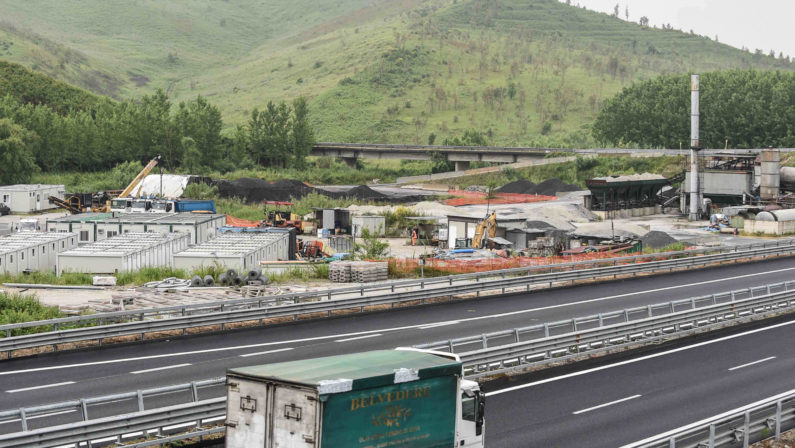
(139, 205)
(162, 206)
(468, 409)
(119, 203)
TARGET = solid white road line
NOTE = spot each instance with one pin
(583, 411)
(642, 358)
(266, 352)
(359, 337)
(136, 372)
(752, 363)
(407, 327)
(439, 324)
(13, 391)
(739, 410)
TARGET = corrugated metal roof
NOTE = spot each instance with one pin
(366, 370)
(234, 244)
(125, 244)
(142, 218)
(29, 187)
(23, 240)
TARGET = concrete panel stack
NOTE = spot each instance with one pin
(358, 271)
(340, 271)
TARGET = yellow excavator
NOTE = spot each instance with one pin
(485, 229)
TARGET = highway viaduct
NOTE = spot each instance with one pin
(464, 155)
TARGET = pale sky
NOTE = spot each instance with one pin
(765, 24)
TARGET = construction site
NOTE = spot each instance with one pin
(719, 198)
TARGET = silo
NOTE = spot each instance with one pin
(770, 181)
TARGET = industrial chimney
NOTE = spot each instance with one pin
(696, 191)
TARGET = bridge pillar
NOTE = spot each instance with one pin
(461, 165)
(350, 161)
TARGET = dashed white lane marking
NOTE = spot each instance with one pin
(359, 337)
(642, 358)
(266, 352)
(752, 363)
(44, 386)
(439, 324)
(136, 372)
(583, 411)
(407, 327)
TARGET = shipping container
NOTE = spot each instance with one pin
(33, 251)
(92, 227)
(127, 252)
(27, 198)
(237, 250)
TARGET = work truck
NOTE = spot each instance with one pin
(386, 398)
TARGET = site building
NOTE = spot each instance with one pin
(27, 198)
(122, 253)
(236, 250)
(33, 251)
(92, 227)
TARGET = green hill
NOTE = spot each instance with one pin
(531, 72)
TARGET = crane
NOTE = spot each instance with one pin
(139, 178)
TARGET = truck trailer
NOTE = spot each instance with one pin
(386, 398)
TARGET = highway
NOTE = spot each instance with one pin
(72, 375)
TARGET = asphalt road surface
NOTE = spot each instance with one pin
(72, 375)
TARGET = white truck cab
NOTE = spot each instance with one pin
(470, 424)
(28, 225)
(121, 205)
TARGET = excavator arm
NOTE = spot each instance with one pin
(484, 230)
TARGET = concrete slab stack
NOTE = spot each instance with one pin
(358, 271)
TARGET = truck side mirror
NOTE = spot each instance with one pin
(481, 400)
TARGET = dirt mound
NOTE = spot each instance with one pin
(364, 192)
(521, 186)
(657, 239)
(551, 186)
(546, 188)
(257, 190)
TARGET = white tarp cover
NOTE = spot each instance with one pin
(173, 185)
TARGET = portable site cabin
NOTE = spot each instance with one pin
(375, 224)
(127, 252)
(92, 227)
(27, 198)
(461, 229)
(33, 251)
(238, 250)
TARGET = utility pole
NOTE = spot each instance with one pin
(695, 147)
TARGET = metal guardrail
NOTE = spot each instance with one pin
(478, 363)
(753, 422)
(322, 303)
(486, 340)
(82, 406)
(567, 346)
(133, 425)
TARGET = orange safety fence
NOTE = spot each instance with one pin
(477, 197)
(231, 221)
(468, 266)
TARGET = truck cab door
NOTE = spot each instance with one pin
(471, 424)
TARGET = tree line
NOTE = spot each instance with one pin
(739, 109)
(65, 131)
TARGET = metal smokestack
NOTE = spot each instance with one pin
(695, 146)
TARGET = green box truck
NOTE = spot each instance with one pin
(387, 398)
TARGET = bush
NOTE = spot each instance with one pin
(371, 248)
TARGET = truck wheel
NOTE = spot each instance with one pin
(254, 274)
(238, 281)
(231, 273)
(223, 279)
(209, 280)
(264, 279)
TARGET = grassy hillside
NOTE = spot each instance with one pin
(531, 72)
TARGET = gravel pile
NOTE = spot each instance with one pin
(521, 186)
(657, 239)
(257, 190)
(546, 188)
(363, 192)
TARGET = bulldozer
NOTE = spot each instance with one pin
(279, 214)
(484, 230)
